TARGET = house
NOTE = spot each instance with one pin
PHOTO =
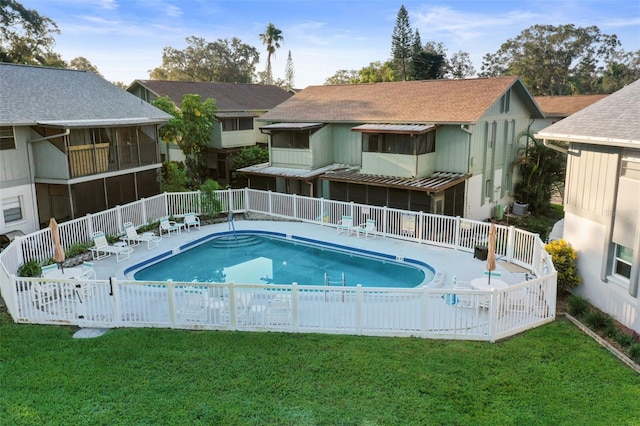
(238, 105)
(437, 146)
(71, 143)
(556, 108)
(602, 219)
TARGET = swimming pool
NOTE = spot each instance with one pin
(263, 257)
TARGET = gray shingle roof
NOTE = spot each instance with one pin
(402, 102)
(30, 95)
(614, 120)
(228, 96)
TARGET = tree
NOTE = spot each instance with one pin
(553, 60)
(428, 62)
(271, 38)
(376, 72)
(224, 60)
(402, 42)
(83, 64)
(623, 69)
(190, 129)
(289, 73)
(460, 66)
(541, 169)
(26, 37)
(343, 77)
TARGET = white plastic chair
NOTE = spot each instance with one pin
(191, 220)
(367, 229)
(132, 238)
(102, 248)
(345, 225)
(170, 226)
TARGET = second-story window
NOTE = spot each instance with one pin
(392, 143)
(234, 124)
(293, 139)
(7, 139)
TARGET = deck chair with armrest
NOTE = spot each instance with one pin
(345, 225)
(191, 220)
(132, 238)
(103, 249)
(169, 226)
(368, 229)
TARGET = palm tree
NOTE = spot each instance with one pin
(271, 38)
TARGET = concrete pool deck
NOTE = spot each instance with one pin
(449, 262)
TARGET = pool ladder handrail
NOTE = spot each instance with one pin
(328, 282)
(232, 225)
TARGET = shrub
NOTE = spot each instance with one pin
(30, 268)
(151, 226)
(634, 351)
(77, 249)
(209, 203)
(577, 305)
(564, 259)
(623, 339)
(597, 320)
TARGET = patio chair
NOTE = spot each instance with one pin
(240, 310)
(102, 249)
(191, 220)
(44, 294)
(132, 238)
(464, 300)
(49, 268)
(169, 226)
(345, 225)
(193, 307)
(367, 229)
(279, 312)
(89, 272)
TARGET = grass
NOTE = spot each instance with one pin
(551, 375)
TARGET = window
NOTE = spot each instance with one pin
(622, 261)
(297, 139)
(491, 134)
(505, 101)
(233, 124)
(392, 143)
(7, 139)
(12, 209)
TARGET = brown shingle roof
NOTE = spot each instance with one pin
(228, 96)
(437, 182)
(428, 101)
(564, 106)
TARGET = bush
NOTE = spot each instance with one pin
(209, 203)
(597, 320)
(578, 306)
(31, 268)
(634, 351)
(77, 249)
(564, 259)
(623, 339)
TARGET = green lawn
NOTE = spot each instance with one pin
(551, 375)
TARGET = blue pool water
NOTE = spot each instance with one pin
(260, 259)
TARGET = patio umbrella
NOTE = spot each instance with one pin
(58, 251)
(491, 250)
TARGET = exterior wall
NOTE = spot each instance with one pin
(592, 173)
(589, 239)
(321, 147)
(16, 181)
(347, 144)
(452, 149)
(238, 138)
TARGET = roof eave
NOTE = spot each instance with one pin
(595, 140)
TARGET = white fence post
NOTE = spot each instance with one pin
(144, 210)
(457, 235)
(246, 201)
(172, 303)
(295, 206)
(295, 320)
(270, 203)
(511, 240)
(89, 224)
(359, 308)
(231, 202)
(385, 229)
(420, 229)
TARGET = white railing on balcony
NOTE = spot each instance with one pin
(425, 312)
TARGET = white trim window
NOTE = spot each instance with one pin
(622, 262)
(12, 209)
(7, 138)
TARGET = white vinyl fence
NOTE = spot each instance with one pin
(424, 312)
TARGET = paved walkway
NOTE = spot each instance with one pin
(449, 262)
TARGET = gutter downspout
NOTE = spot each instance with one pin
(44, 138)
(549, 145)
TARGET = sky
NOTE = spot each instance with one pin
(124, 38)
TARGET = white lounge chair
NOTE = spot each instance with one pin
(132, 238)
(169, 226)
(49, 268)
(345, 225)
(191, 220)
(279, 312)
(193, 307)
(367, 229)
(102, 249)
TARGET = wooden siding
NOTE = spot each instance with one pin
(347, 145)
(592, 172)
(321, 147)
(452, 149)
(14, 168)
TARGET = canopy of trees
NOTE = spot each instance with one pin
(563, 60)
(190, 128)
(224, 60)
